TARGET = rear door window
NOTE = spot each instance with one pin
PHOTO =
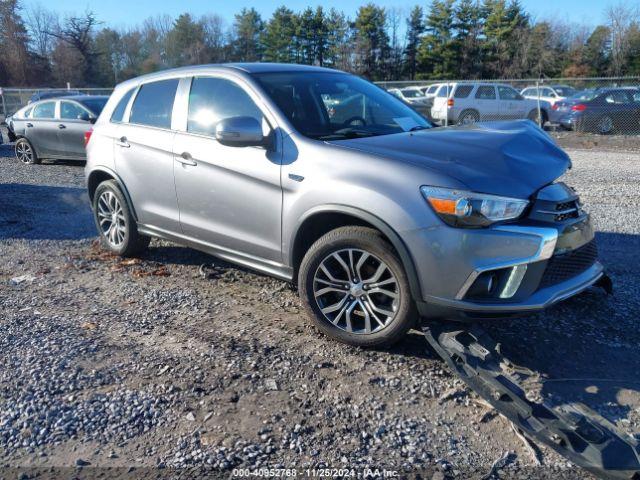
(154, 103)
(486, 92)
(463, 91)
(618, 97)
(71, 111)
(508, 93)
(44, 110)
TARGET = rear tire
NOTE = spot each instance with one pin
(468, 117)
(374, 310)
(26, 153)
(605, 125)
(115, 222)
(533, 116)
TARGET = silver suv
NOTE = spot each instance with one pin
(323, 179)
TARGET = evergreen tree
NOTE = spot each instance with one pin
(437, 50)
(278, 39)
(372, 41)
(339, 49)
(415, 29)
(248, 27)
(15, 58)
(185, 42)
(468, 25)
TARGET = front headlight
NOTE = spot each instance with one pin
(460, 208)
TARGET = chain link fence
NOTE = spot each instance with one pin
(13, 99)
(603, 106)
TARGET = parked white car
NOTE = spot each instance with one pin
(411, 95)
(463, 103)
(549, 93)
(430, 91)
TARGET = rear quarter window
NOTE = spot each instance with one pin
(118, 113)
(444, 91)
(154, 103)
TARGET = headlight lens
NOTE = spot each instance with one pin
(460, 208)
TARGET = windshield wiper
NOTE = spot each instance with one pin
(419, 127)
(348, 134)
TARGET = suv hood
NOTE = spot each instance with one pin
(502, 158)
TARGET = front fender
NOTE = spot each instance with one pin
(378, 223)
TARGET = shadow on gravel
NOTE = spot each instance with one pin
(6, 150)
(39, 212)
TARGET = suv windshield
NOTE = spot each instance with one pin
(333, 106)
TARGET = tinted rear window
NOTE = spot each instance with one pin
(118, 112)
(154, 103)
(463, 91)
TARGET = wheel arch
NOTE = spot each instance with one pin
(101, 174)
(320, 220)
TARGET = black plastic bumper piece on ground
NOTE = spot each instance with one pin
(573, 430)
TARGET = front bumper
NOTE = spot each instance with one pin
(531, 265)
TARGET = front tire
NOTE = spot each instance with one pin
(26, 153)
(354, 288)
(115, 222)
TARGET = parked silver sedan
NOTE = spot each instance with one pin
(55, 128)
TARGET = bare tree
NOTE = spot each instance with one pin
(621, 18)
(40, 21)
(77, 32)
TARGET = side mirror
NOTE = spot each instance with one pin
(85, 117)
(240, 132)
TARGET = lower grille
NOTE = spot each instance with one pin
(568, 265)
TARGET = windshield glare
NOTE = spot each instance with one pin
(585, 95)
(333, 106)
(412, 93)
(565, 91)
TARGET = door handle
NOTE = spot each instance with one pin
(122, 142)
(29, 125)
(186, 159)
(61, 126)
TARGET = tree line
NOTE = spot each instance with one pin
(448, 39)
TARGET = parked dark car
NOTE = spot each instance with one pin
(55, 128)
(601, 111)
(46, 94)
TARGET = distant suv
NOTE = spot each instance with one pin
(550, 93)
(463, 103)
(323, 179)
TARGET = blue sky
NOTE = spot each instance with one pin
(123, 13)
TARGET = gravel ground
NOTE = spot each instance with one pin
(148, 363)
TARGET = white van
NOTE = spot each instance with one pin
(470, 102)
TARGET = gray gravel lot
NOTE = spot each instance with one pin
(146, 363)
